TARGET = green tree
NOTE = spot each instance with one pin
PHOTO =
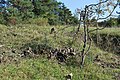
(17, 11)
(46, 9)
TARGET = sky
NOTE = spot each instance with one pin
(74, 4)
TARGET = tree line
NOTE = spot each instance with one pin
(49, 12)
(111, 22)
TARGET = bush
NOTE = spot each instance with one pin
(39, 21)
(2, 20)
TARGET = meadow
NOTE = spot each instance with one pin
(15, 39)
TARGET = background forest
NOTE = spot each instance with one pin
(41, 12)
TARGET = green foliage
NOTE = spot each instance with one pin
(113, 21)
(118, 20)
(2, 20)
(19, 11)
(22, 10)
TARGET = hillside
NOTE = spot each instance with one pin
(14, 40)
(108, 39)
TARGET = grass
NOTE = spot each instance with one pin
(42, 69)
(109, 31)
(21, 36)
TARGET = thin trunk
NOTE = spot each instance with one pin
(84, 45)
(85, 39)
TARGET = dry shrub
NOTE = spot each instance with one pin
(12, 21)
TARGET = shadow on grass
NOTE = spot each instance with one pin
(108, 43)
(37, 47)
(72, 61)
(43, 48)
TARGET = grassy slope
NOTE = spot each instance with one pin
(109, 31)
(20, 36)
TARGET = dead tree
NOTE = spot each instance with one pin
(92, 11)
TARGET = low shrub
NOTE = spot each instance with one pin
(39, 21)
(2, 21)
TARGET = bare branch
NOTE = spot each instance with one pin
(98, 3)
(110, 13)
